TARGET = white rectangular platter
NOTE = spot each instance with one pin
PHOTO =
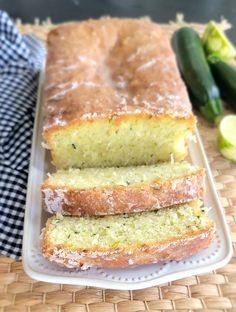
(216, 256)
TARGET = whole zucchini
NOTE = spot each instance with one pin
(196, 73)
(225, 77)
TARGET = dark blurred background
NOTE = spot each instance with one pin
(159, 10)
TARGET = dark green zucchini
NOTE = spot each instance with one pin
(225, 77)
(196, 73)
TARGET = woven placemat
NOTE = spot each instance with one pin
(215, 291)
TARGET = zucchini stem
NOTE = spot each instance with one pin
(212, 110)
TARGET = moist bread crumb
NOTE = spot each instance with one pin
(127, 240)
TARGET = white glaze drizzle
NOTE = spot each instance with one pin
(71, 86)
(85, 59)
(133, 56)
(148, 64)
(54, 199)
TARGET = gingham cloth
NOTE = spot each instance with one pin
(20, 61)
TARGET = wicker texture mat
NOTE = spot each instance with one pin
(215, 291)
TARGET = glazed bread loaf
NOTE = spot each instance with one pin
(127, 240)
(104, 191)
(113, 95)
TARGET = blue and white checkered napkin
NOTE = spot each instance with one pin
(20, 61)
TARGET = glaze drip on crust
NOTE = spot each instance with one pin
(110, 67)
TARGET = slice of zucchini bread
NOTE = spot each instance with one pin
(104, 191)
(113, 95)
(127, 240)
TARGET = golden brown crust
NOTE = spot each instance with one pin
(176, 249)
(123, 199)
(111, 67)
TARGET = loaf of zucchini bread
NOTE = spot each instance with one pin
(113, 95)
(127, 240)
(104, 191)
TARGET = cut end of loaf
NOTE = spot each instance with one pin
(129, 141)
